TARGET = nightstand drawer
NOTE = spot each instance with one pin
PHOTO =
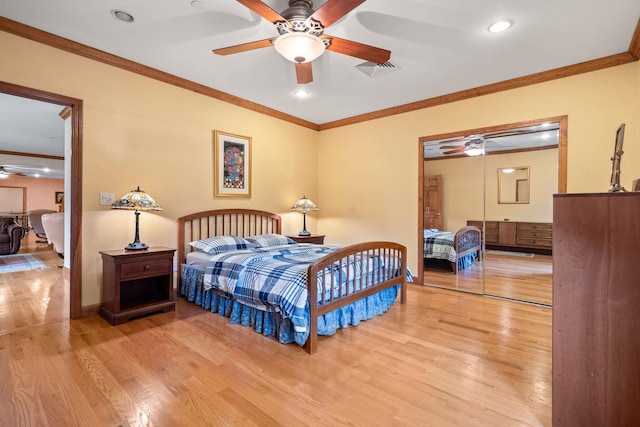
(136, 270)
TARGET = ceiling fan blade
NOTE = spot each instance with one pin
(452, 140)
(459, 150)
(244, 47)
(263, 10)
(333, 10)
(450, 147)
(304, 73)
(5, 172)
(359, 50)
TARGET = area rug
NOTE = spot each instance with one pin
(19, 262)
(510, 253)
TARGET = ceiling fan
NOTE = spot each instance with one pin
(474, 145)
(302, 37)
(5, 173)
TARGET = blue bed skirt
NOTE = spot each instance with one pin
(270, 322)
(467, 260)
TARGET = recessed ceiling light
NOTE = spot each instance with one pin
(301, 93)
(121, 15)
(500, 26)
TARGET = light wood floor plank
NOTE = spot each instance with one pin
(444, 359)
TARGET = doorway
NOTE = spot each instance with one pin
(73, 108)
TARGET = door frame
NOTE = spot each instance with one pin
(75, 109)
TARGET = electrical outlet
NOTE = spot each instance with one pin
(106, 199)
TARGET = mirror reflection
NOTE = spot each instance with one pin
(514, 260)
(513, 185)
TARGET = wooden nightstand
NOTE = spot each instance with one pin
(135, 283)
(317, 239)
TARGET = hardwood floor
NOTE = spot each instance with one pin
(443, 359)
(515, 277)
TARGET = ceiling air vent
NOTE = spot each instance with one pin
(372, 69)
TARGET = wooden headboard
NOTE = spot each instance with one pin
(222, 222)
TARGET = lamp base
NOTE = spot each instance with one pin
(136, 246)
(304, 233)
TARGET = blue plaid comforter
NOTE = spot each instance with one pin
(439, 245)
(274, 278)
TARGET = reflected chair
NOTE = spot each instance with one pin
(35, 221)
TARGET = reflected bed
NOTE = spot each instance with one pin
(461, 249)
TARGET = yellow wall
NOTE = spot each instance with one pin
(368, 172)
(543, 179)
(470, 187)
(364, 177)
(138, 131)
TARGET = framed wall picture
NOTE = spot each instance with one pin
(232, 165)
(59, 197)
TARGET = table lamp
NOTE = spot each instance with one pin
(136, 200)
(304, 205)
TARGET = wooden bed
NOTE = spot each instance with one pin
(457, 248)
(322, 273)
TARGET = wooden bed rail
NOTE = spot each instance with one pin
(386, 264)
(467, 240)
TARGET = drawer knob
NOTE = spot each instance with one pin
(146, 267)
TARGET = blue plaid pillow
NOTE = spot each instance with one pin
(220, 244)
(266, 240)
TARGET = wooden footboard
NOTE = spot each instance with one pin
(382, 275)
(467, 240)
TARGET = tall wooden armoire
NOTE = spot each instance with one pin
(596, 309)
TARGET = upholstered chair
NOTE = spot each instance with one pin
(35, 222)
(53, 224)
(10, 236)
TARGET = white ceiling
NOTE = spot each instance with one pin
(439, 46)
(34, 127)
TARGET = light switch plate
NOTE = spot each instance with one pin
(106, 199)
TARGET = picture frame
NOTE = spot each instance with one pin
(59, 197)
(232, 165)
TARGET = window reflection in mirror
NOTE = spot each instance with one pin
(513, 185)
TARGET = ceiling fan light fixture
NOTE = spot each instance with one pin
(299, 47)
(474, 151)
(474, 145)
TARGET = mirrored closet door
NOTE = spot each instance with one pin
(501, 180)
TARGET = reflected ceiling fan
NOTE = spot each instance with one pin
(302, 37)
(474, 145)
(4, 173)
